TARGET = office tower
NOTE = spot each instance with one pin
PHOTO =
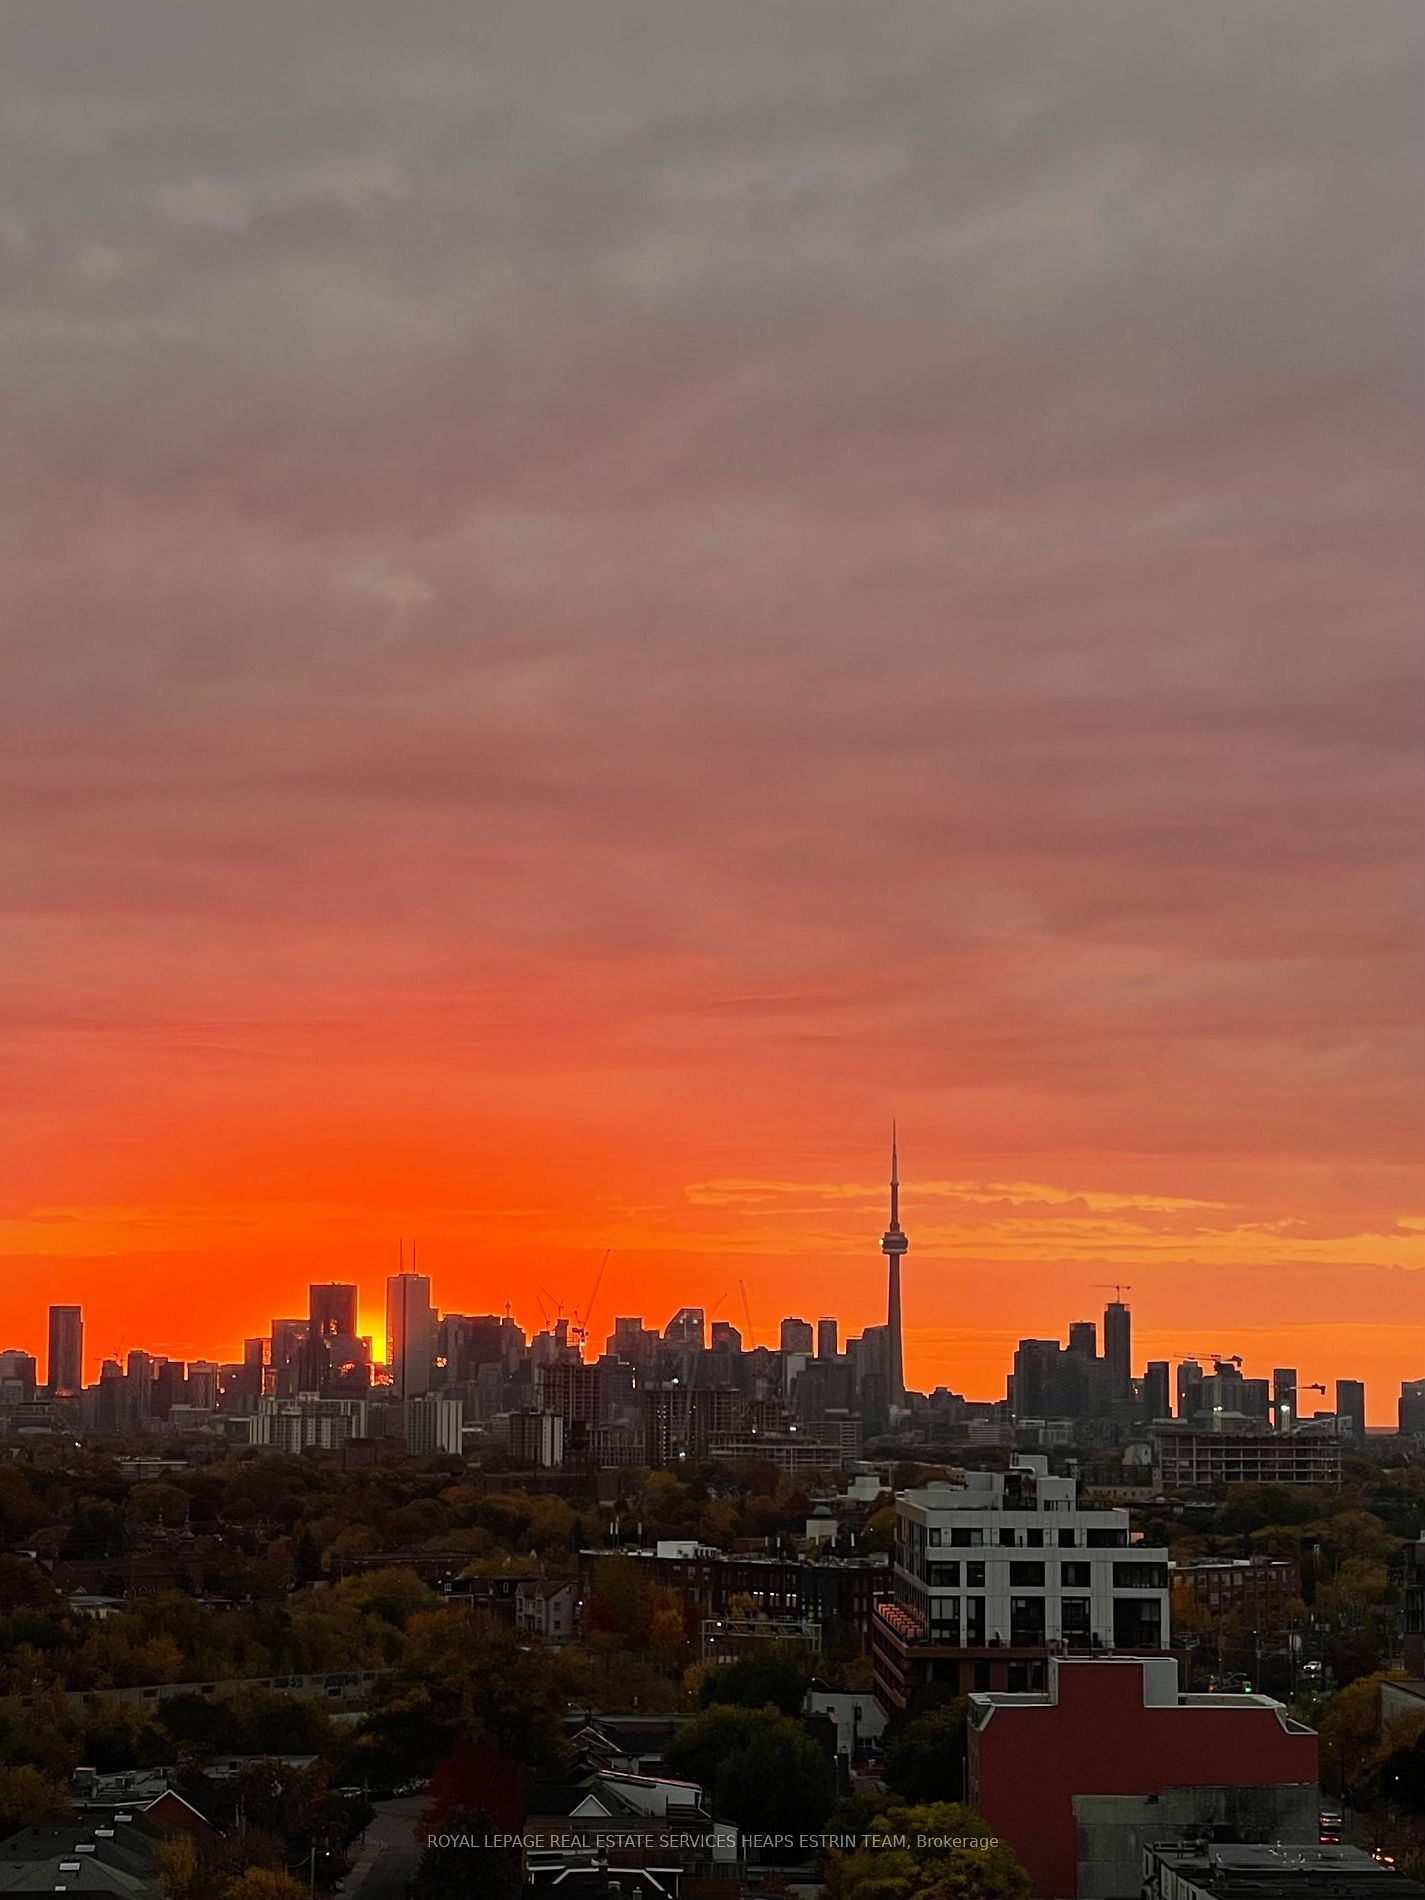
(1351, 1409)
(19, 1375)
(633, 1342)
(254, 1352)
(331, 1310)
(1410, 1415)
(1083, 1338)
(1034, 1383)
(1118, 1351)
(894, 1246)
(1189, 1388)
(1283, 1397)
(1156, 1402)
(826, 1339)
(288, 1336)
(725, 1337)
(66, 1350)
(685, 1329)
(1256, 1400)
(410, 1333)
(796, 1335)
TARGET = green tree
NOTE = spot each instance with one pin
(467, 1867)
(758, 1766)
(925, 1868)
(926, 1760)
(752, 1682)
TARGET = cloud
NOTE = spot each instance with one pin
(773, 567)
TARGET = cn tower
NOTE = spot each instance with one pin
(893, 1245)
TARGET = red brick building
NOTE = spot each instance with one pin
(1111, 1757)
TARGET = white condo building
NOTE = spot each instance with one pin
(998, 1570)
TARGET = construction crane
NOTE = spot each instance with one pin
(1218, 1358)
(1119, 1288)
(747, 1314)
(579, 1331)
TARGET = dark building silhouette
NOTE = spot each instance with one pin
(1118, 1351)
(65, 1366)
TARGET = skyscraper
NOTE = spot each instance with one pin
(332, 1310)
(1118, 1350)
(1351, 1409)
(410, 1333)
(1189, 1388)
(1284, 1397)
(796, 1335)
(826, 1339)
(66, 1350)
(1083, 1338)
(1156, 1403)
(894, 1245)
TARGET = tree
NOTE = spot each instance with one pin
(752, 1682)
(176, 1861)
(759, 1768)
(926, 1761)
(467, 1867)
(23, 1585)
(161, 1504)
(263, 1883)
(926, 1867)
(466, 1679)
(30, 1799)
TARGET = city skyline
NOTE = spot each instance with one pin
(578, 640)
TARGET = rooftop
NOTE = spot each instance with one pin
(1259, 1872)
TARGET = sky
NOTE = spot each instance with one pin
(598, 600)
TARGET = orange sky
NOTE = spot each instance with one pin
(578, 636)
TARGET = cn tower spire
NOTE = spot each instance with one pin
(894, 1245)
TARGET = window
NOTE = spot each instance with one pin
(982, 1675)
(974, 1576)
(974, 1622)
(968, 1538)
(1026, 1622)
(1007, 1537)
(945, 1621)
(1137, 1623)
(944, 1576)
(935, 1537)
(1140, 1576)
(1106, 1540)
(1068, 1538)
(1031, 1574)
(1034, 1539)
(1076, 1576)
(1074, 1623)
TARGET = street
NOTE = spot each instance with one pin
(386, 1861)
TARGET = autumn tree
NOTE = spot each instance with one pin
(924, 1867)
(29, 1798)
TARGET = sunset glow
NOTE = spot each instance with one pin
(564, 666)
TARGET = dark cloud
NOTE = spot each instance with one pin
(902, 519)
